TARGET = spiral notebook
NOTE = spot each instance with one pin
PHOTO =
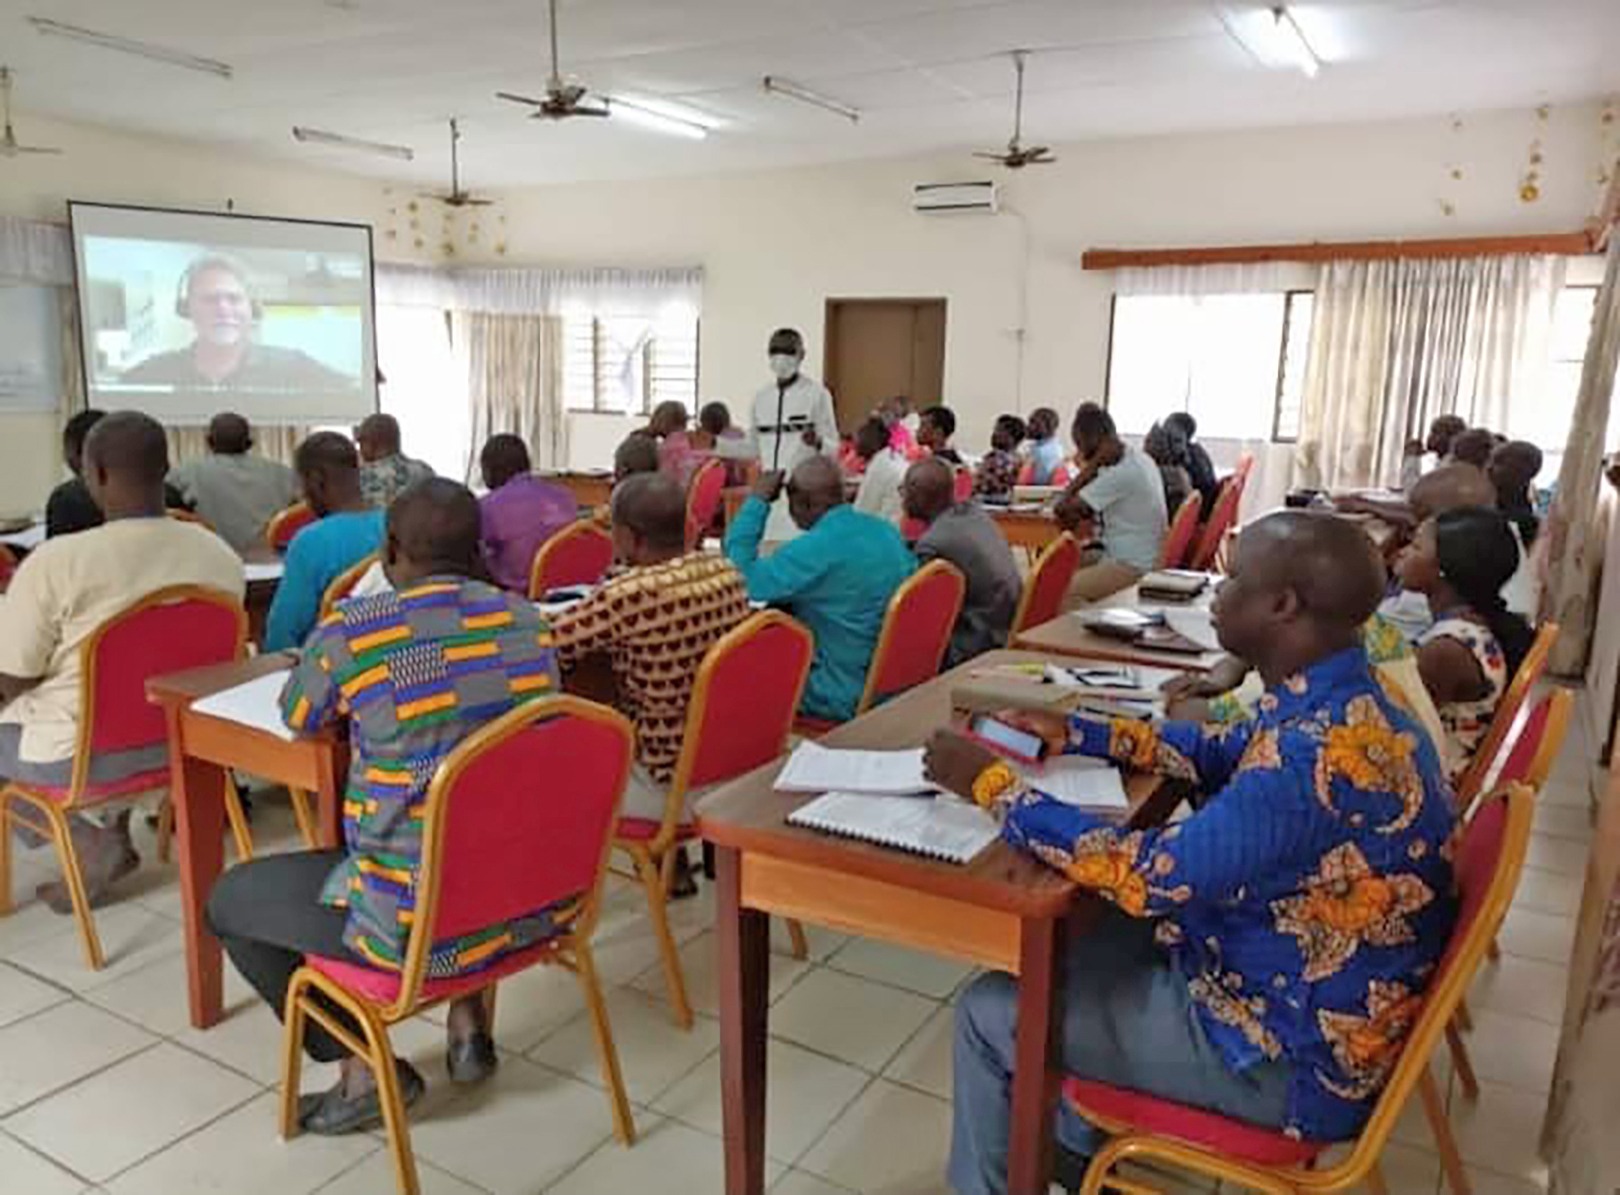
(943, 828)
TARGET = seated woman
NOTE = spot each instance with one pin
(1459, 560)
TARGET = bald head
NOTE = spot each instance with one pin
(638, 453)
(815, 487)
(433, 530)
(929, 489)
(649, 518)
(229, 434)
(126, 458)
(378, 437)
(1448, 488)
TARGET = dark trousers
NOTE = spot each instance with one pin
(268, 914)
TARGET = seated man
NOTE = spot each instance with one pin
(1473, 447)
(636, 453)
(963, 535)
(520, 512)
(386, 471)
(885, 469)
(1182, 431)
(1119, 492)
(656, 620)
(1045, 449)
(350, 904)
(836, 578)
(998, 469)
(237, 491)
(62, 592)
(1442, 431)
(70, 507)
(935, 427)
(346, 530)
(1266, 957)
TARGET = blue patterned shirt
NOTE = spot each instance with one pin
(1309, 898)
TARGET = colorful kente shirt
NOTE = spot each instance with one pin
(1468, 722)
(416, 672)
(1308, 899)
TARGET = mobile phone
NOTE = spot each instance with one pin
(1008, 740)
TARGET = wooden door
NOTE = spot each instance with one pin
(877, 348)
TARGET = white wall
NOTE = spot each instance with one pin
(776, 245)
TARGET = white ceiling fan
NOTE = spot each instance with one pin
(1017, 155)
(458, 196)
(10, 147)
(563, 99)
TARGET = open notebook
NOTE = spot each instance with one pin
(254, 703)
(940, 828)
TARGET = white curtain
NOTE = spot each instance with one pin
(524, 291)
(32, 251)
(514, 370)
(1395, 343)
(1244, 278)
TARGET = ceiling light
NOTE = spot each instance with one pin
(124, 45)
(647, 116)
(381, 148)
(1291, 43)
(777, 85)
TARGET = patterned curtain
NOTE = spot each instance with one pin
(1574, 534)
(514, 370)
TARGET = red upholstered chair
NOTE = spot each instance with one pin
(1048, 581)
(1144, 1128)
(964, 483)
(519, 817)
(703, 495)
(8, 566)
(1182, 529)
(1472, 781)
(343, 584)
(1222, 518)
(579, 554)
(1244, 468)
(184, 626)
(741, 714)
(279, 532)
(1062, 475)
(1026, 474)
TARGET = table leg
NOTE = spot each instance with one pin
(197, 790)
(333, 767)
(744, 963)
(1035, 1071)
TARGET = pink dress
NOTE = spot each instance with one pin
(678, 458)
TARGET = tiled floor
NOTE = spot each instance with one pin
(103, 1085)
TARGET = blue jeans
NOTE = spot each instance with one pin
(1127, 1020)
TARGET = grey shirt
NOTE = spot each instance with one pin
(967, 537)
(238, 494)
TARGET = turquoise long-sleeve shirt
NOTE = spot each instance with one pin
(837, 579)
(317, 556)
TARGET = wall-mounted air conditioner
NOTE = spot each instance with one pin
(943, 198)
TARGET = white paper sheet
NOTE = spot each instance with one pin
(255, 703)
(264, 570)
(945, 828)
(27, 539)
(1078, 780)
(813, 768)
(1197, 625)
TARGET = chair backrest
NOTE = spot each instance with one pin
(1048, 581)
(1472, 782)
(1222, 516)
(343, 584)
(171, 630)
(1539, 739)
(1489, 858)
(1243, 468)
(279, 532)
(1026, 474)
(1062, 475)
(964, 483)
(1182, 528)
(577, 555)
(8, 566)
(519, 817)
(703, 495)
(916, 631)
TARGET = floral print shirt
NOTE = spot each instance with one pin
(1308, 899)
(1468, 722)
(997, 474)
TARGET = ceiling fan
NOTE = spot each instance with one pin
(458, 197)
(1017, 155)
(10, 147)
(562, 99)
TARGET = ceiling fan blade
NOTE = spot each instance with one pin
(589, 111)
(511, 98)
(989, 157)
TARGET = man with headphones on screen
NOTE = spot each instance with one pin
(215, 295)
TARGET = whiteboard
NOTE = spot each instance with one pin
(30, 347)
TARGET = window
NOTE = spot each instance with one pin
(628, 364)
(1235, 362)
(1546, 421)
(424, 389)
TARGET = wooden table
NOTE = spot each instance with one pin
(1065, 635)
(201, 751)
(261, 591)
(1031, 530)
(589, 489)
(1004, 910)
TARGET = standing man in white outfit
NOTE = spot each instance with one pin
(792, 419)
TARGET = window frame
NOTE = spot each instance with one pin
(1282, 362)
(648, 352)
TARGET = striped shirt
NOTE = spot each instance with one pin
(416, 672)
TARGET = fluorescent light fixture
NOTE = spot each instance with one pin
(125, 45)
(1291, 43)
(658, 119)
(382, 149)
(776, 85)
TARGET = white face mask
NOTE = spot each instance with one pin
(784, 366)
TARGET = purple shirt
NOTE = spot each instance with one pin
(517, 519)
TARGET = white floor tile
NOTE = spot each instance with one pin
(129, 1111)
(892, 1141)
(131, 938)
(22, 995)
(1486, 1182)
(1522, 987)
(247, 1040)
(800, 1182)
(1514, 1050)
(517, 1133)
(375, 1176)
(530, 1005)
(1556, 854)
(804, 1093)
(653, 1053)
(29, 920)
(667, 1156)
(1539, 936)
(851, 1019)
(925, 1060)
(24, 1171)
(1570, 794)
(1563, 821)
(155, 998)
(1502, 1131)
(699, 963)
(60, 1046)
(925, 974)
(243, 1153)
(1548, 892)
(1409, 1170)
(822, 942)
